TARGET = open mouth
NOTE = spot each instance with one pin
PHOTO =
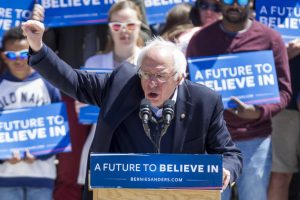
(19, 67)
(124, 37)
(233, 12)
(152, 95)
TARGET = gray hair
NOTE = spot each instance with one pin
(179, 59)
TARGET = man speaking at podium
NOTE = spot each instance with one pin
(148, 109)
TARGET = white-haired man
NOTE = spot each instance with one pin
(198, 125)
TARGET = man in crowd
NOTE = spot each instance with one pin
(249, 125)
(286, 135)
(28, 176)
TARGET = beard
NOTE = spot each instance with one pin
(241, 17)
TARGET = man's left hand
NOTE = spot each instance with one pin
(226, 178)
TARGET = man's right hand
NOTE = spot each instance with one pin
(16, 157)
(34, 31)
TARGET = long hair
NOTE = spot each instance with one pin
(120, 5)
(177, 16)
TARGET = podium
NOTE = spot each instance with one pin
(155, 177)
(148, 194)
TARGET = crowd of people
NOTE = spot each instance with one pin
(260, 143)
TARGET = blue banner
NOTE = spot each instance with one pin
(283, 16)
(157, 10)
(250, 76)
(156, 171)
(13, 12)
(72, 13)
(60, 13)
(88, 114)
(42, 130)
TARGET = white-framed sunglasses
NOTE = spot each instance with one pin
(118, 26)
(13, 55)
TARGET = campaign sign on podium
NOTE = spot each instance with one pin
(156, 171)
(249, 76)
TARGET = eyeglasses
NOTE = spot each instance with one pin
(129, 26)
(240, 2)
(160, 77)
(210, 6)
(13, 55)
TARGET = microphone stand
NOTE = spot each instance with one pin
(162, 133)
(168, 115)
(146, 116)
(148, 134)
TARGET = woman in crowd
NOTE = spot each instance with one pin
(183, 20)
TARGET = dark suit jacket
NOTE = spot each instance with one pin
(199, 124)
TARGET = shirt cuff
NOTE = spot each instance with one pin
(36, 57)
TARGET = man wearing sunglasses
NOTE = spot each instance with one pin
(27, 177)
(249, 125)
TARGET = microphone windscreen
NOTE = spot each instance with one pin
(169, 104)
(145, 103)
(168, 108)
(145, 109)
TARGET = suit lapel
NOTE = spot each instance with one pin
(182, 117)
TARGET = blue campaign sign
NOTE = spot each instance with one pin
(158, 9)
(249, 76)
(42, 130)
(88, 114)
(71, 13)
(283, 16)
(156, 171)
(13, 12)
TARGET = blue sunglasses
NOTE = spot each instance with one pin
(13, 55)
(240, 2)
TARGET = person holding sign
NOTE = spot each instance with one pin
(198, 125)
(249, 125)
(24, 176)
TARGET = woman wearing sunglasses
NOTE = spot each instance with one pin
(183, 20)
(124, 40)
(209, 11)
(205, 12)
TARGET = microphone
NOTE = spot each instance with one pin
(145, 115)
(167, 114)
(168, 111)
